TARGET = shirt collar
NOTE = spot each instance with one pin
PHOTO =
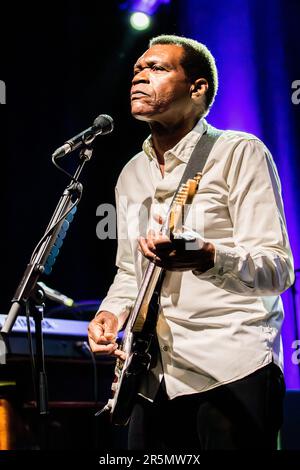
(183, 149)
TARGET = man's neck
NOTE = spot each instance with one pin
(166, 137)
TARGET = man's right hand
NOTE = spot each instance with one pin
(102, 333)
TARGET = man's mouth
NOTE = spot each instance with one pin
(138, 94)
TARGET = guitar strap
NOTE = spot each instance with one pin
(200, 153)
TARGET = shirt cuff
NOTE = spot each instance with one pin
(224, 262)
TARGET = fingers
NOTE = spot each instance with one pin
(95, 330)
(120, 354)
(145, 249)
(151, 238)
(110, 337)
(102, 348)
(102, 333)
(155, 244)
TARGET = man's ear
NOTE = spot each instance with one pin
(199, 88)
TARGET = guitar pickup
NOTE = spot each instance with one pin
(139, 363)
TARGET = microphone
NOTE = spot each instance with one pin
(103, 124)
(56, 296)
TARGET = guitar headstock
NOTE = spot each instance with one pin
(182, 200)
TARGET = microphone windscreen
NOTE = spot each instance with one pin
(104, 123)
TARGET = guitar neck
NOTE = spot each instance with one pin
(140, 309)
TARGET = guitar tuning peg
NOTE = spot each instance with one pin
(198, 176)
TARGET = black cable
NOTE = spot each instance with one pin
(84, 346)
(96, 397)
(75, 180)
(31, 353)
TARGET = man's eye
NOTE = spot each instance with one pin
(157, 67)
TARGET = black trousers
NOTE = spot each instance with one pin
(245, 414)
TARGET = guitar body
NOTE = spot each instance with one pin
(129, 383)
(129, 373)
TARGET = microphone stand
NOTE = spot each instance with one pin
(30, 296)
(35, 308)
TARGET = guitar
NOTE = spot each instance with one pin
(141, 323)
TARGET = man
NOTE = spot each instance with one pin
(217, 382)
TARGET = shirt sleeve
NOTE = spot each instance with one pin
(261, 261)
(123, 291)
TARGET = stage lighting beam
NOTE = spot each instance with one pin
(140, 21)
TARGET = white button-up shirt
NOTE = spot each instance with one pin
(221, 325)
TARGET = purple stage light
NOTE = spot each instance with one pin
(149, 7)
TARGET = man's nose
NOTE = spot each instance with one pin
(141, 77)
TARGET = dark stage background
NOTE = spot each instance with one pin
(64, 67)
(66, 63)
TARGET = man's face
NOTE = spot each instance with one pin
(160, 89)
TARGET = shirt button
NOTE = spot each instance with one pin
(165, 348)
